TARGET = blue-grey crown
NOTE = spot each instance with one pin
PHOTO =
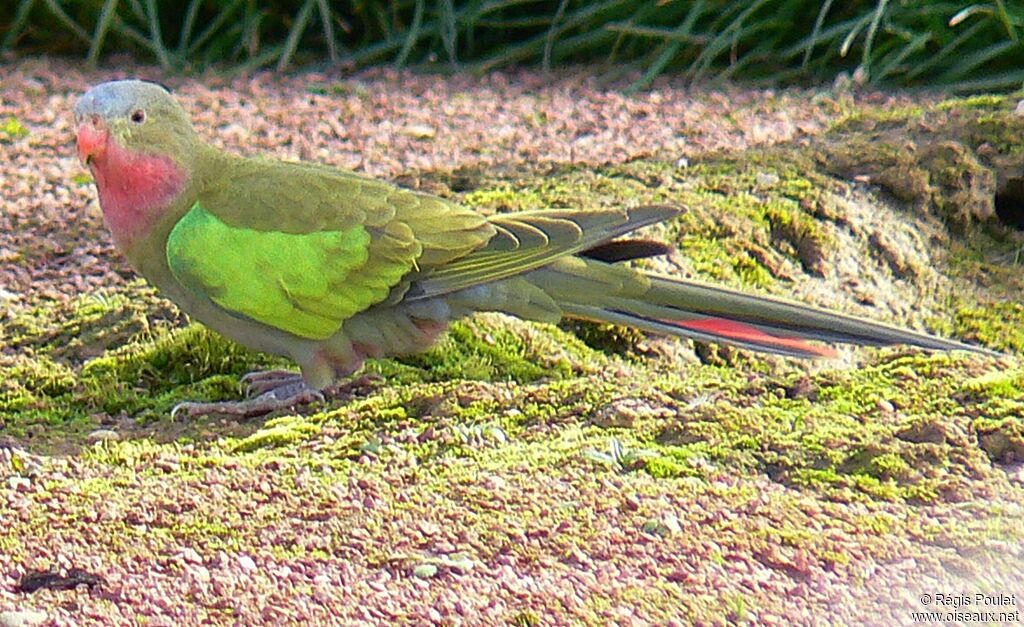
(117, 98)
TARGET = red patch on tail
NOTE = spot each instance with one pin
(732, 330)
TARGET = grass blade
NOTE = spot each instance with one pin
(186, 27)
(1003, 81)
(869, 39)
(106, 17)
(292, 42)
(126, 31)
(526, 49)
(213, 27)
(328, 28)
(812, 41)
(549, 41)
(1007, 21)
(449, 31)
(18, 24)
(671, 48)
(971, 62)
(915, 45)
(154, 33)
(70, 24)
(934, 60)
(723, 40)
(668, 34)
(412, 36)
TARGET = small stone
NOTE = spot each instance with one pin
(19, 484)
(246, 563)
(22, 618)
(424, 571)
(767, 178)
(624, 412)
(200, 573)
(103, 435)
(419, 131)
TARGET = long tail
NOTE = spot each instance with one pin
(595, 290)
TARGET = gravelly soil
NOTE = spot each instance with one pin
(525, 533)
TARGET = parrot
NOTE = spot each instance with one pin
(328, 268)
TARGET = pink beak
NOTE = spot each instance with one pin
(92, 139)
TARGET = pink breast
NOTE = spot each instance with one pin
(134, 188)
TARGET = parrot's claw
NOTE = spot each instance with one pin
(262, 381)
(291, 394)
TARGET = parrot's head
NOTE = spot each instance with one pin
(134, 116)
(141, 148)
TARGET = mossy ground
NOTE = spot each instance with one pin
(508, 431)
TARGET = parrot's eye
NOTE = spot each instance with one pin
(138, 116)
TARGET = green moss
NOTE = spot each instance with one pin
(505, 198)
(810, 243)
(608, 338)
(843, 443)
(980, 101)
(691, 460)
(1007, 384)
(526, 619)
(278, 432)
(993, 324)
(1002, 438)
(496, 348)
(128, 453)
(13, 129)
(876, 116)
(29, 382)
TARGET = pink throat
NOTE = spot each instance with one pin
(134, 189)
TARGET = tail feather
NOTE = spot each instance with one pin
(593, 290)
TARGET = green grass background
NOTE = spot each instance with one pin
(954, 45)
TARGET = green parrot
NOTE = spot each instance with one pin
(329, 268)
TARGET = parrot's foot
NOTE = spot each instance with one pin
(273, 390)
(263, 381)
(291, 393)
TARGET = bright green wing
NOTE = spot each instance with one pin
(307, 284)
